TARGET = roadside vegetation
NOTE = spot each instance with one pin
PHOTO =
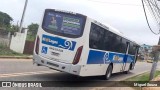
(142, 77)
(32, 31)
(31, 37)
(5, 51)
(8, 28)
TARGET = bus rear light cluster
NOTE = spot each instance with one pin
(78, 55)
(37, 45)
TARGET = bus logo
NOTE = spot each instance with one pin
(58, 42)
(106, 57)
(44, 49)
(117, 58)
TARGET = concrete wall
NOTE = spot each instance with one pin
(18, 42)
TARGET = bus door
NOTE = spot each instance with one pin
(135, 57)
(125, 57)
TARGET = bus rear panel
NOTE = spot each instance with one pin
(59, 40)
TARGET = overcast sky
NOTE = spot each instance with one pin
(125, 15)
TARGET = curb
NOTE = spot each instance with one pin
(16, 57)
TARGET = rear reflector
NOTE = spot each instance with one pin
(78, 55)
(37, 45)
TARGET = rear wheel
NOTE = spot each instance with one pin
(108, 72)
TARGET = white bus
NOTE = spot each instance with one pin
(76, 44)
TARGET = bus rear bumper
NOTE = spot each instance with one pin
(69, 68)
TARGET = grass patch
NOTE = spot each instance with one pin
(142, 77)
(5, 51)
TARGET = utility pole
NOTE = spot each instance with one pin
(23, 14)
(156, 50)
(154, 9)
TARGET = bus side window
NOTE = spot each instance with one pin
(102, 39)
(93, 37)
(110, 41)
(96, 37)
(114, 42)
(107, 41)
(132, 49)
(123, 47)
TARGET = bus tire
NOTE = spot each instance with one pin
(108, 72)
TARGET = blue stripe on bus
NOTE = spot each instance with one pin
(58, 42)
(95, 57)
(100, 57)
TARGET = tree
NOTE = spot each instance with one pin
(5, 20)
(13, 29)
(32, 31)
(33, 28)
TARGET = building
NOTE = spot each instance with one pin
(145, 51)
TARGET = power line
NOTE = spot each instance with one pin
(156, 8)
(147, 20)
(153, 11)
(156, 5)
(158, 11)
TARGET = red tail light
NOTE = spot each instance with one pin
(37, 45)
(78, 55)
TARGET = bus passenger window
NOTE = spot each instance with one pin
(132, 49)
(96, 37)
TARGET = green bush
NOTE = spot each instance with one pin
(30, 37)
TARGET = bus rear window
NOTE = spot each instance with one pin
(63, 24)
